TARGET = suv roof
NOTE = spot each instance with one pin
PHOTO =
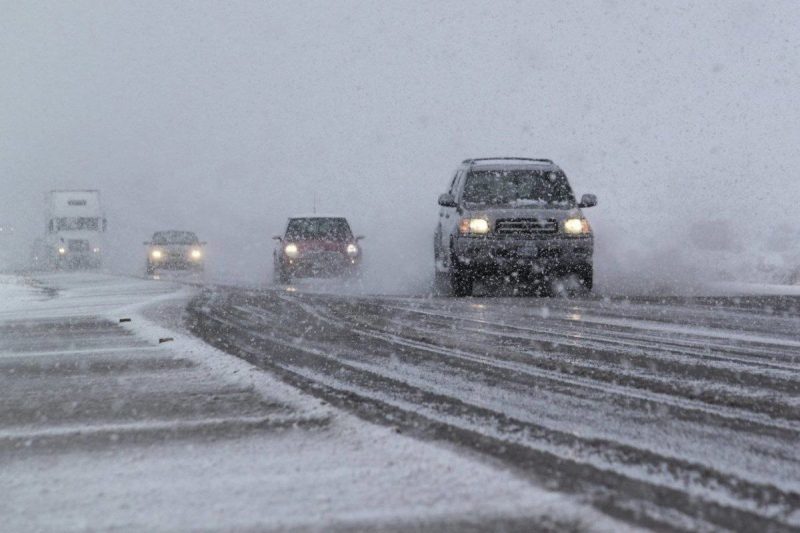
(315, 215)
(499, 161)
(174, 236)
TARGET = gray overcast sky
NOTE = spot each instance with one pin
(225, 117)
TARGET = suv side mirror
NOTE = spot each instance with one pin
(277, 238)
(588, 200)
(447, 200)
(360, 238)
(203, 243)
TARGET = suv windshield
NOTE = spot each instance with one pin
(174, 237)
(77, 223)
(318, 228)
(518, 187)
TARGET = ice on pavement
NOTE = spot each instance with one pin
(102, 428)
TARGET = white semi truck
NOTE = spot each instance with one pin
(75, 225)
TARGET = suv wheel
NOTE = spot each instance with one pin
(586, 277)
(460, 282)
(578, 282)
(282, 277)
(441, 283)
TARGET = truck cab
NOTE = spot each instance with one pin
(74, 229)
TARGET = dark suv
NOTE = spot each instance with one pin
(316, 246)
(513, 217)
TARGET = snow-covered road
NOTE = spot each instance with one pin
(672, 413)
(103, 427)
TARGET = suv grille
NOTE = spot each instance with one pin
(525, 226)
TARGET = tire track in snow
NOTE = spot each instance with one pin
(242, 326)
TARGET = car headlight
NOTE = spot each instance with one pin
(156, 254)
(62, 250)
(196, 254)
(291, 250)
(577, 226)
(96, 250)
(476, 226)
(352, 249)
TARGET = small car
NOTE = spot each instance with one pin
(316, 246)
(175, 250)
(515, 218)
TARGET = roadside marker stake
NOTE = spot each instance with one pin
(165, 339)
(124, 319)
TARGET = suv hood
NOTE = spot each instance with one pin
(175, 247)
(496, 213)
(320, 245)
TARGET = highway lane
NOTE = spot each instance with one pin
(671, 413)
(104, 427)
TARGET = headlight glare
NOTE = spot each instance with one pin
(352, 249)
(476, 226)
(196, 254)
(156, 254)
(291, 250)
(577, 226)
(62, 250)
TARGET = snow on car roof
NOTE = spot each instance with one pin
(317, 215)
(510, 162)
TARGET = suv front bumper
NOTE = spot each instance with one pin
(321, 265)
(536, 255)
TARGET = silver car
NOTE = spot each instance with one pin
(174, 250)
(515, 218)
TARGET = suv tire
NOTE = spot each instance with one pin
(282, 277)
(457, 282)
(586, 277)
(461, 283)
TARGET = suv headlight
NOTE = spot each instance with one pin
(291, 250)
(352, 250)
(156, 254)
(474, 226)
(196, 253)
(577, 226)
